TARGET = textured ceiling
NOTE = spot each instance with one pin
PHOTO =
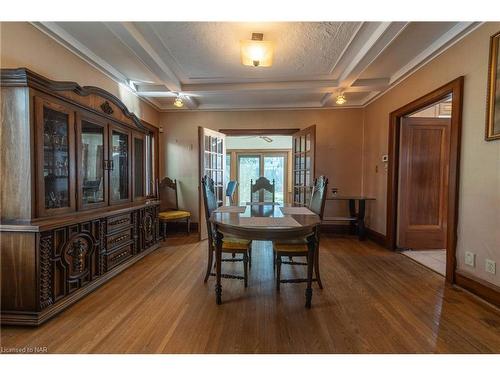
(211, 50)
(313, 61)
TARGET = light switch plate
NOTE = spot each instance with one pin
(470, 258)
(490, 266)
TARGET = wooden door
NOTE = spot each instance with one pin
(92, 159)
(119, 165)
(423, 205)
(212, 148)
(56, 169)
(303, 155)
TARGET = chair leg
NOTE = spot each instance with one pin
(188, 223)
(245, 268)
(316, 268)
(210, 263)
(164, 231)
(250, 255)
(278, 272)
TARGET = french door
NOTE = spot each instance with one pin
(272, 165)
(212, 148)
(303, 154)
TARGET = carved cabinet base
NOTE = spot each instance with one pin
(59, 266)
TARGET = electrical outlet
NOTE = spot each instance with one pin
(490, 266)
(470, 258)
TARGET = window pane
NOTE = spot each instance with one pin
(55, 158)
(274, 169)
(248, 170)
(92, 162)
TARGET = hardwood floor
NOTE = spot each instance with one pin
(374, 301)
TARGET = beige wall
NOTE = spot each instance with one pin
(339, 136)
(479, 201)
(23, 45)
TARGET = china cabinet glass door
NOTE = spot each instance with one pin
(55, 140)
(92, 160)
(139, 167)
(119, 165)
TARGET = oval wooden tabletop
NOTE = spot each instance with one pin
(265, 222)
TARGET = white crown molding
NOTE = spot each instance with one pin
(66, 40)
(433, 51)
(368, 42)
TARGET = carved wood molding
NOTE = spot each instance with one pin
(46, 298)
(23, 77)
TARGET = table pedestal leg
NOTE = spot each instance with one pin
(361, 221)
(352, 213)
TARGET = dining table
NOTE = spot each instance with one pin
(266, 222)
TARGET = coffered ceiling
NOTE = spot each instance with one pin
(313, 61)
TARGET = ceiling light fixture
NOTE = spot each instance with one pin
(178, 102)
(341, 99)
(257, 52)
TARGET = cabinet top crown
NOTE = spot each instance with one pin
(89, 97)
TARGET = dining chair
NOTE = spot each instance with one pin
(299, 247)
(230, 190)
(262, 190)
(230, 245)
(169, 206)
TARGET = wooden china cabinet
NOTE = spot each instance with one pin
(78, 193)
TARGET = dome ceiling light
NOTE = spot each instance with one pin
(257, 52)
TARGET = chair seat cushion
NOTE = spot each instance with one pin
(230, 243)
(174, 214)
(291, 246)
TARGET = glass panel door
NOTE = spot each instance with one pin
(119, 166)
(55, 139)
(248, 170)
(139, 170)
(92, 153)
(274, 169)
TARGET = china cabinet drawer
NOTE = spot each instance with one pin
(118, 239)
(116, 223)
(118, 256)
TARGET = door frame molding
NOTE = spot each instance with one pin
(455, 88)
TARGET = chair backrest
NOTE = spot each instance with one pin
(262, 190)
(318, 196)
(231, 189)
(168, 194)
(210, 203)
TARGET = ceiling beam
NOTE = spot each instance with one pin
(207, 88)
(370, 41)
(133, 39)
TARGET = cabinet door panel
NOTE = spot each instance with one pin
(92, 158)
(120, 165)
(139, 166)
(55, 157)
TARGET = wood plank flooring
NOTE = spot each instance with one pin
(374, 301)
